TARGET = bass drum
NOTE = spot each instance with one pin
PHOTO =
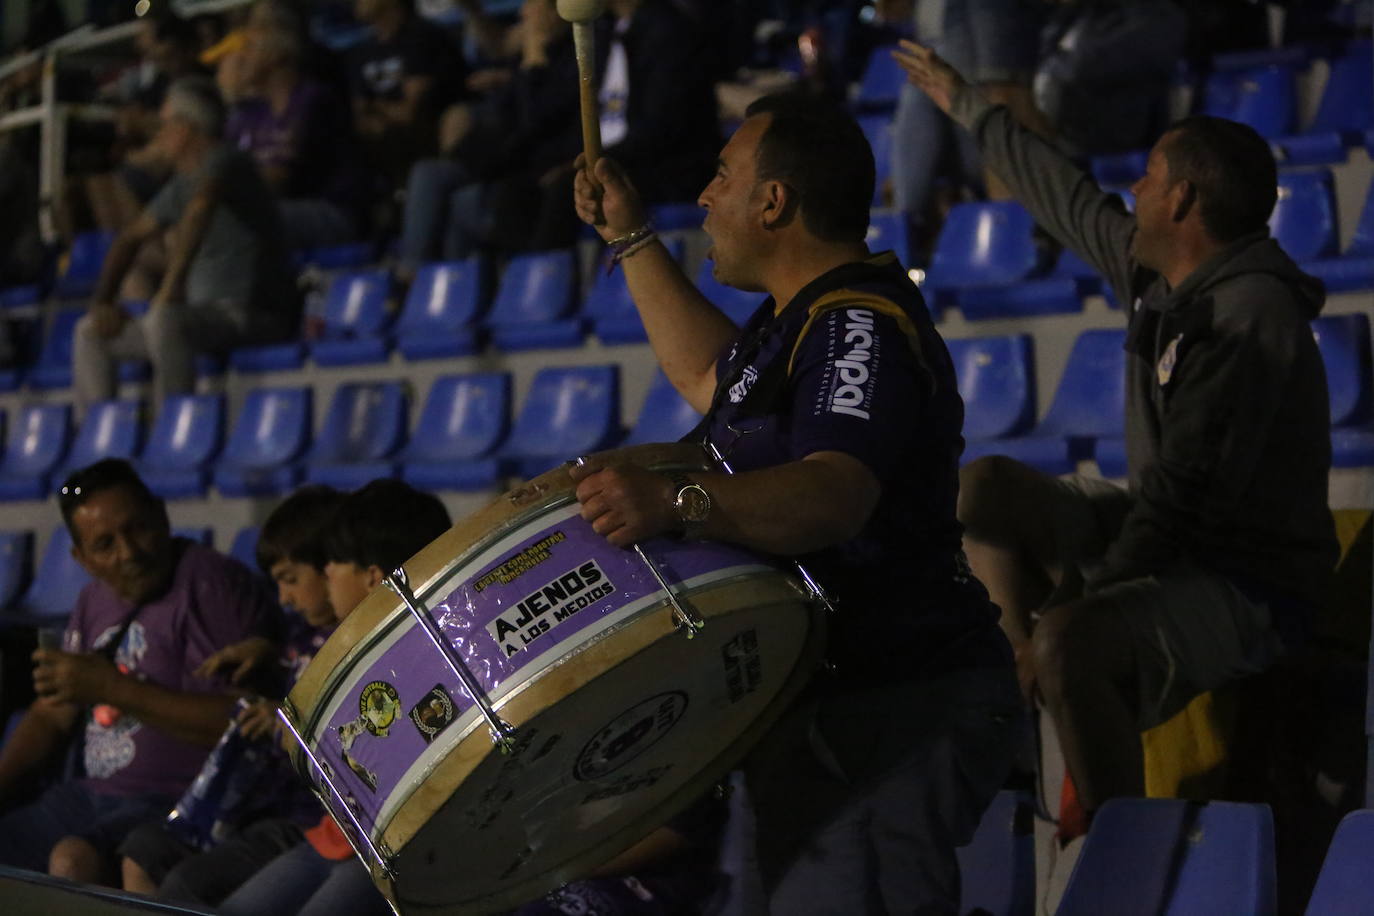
(620, 719)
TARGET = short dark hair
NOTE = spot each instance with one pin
(383, 524)
(1231, 167)
(106, 474)
(818, 149)
(294, 532)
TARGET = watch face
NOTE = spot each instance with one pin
(693, 504)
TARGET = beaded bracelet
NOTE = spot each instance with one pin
(620, 243)
(639, 240)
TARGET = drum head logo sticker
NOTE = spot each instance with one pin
(378, 705)
(433, 713)
(630, 734)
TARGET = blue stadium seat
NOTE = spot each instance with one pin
(1119, 170)
(535, 302)
(271, 433)
(878, 130)
(997, 869)
(348, 256)
(38, 437)
(1353, 270)
(1170, 857)
(1304, 217)
(355, 320)
(54, 366)
(887, 231)
(365, 425)
(610, 307)
(737, 304)
(1345, 111)
(881, 82)
(568, 412)
(441, 310)
(463, 420)
(1345, 885)
(52, 594)
(1084, 275)
(245, 546)
(205, 537)
(1089, 404)
(1344, 344)
(16, 565)
(278, 357)
(83, 265)
(111, 430)
(997, 382)
(14, 297)
(665, 416)
(184, 440)
(1263, 97)
(672, 217)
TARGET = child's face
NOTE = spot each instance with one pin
(349, 584)
(302, 588)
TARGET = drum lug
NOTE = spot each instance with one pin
(502, 733)
(686, 617)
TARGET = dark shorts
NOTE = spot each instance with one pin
(187, 875)
(28, 833)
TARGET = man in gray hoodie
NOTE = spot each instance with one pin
(1214, 561)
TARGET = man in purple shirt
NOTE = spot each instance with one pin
(124, 681)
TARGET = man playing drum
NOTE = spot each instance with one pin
(837, 407)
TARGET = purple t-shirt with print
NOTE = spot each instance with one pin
(213, 601)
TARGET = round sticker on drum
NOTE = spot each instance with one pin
(630, 734)
(378, 705)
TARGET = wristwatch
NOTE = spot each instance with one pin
(691, 502)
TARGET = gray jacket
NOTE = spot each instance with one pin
(1227, 414)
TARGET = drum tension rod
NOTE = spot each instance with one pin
(383, 857)
(502, 733)
(685, 616)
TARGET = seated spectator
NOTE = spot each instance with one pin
(125, 680)
(298, 133)
(157, 860)
(375, 530)
(228, 282)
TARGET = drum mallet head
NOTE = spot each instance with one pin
(582, 13)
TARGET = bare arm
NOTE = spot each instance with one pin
(39, 735)
(191, 228)
(686, 331)
(121, 257)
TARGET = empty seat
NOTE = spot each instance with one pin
(83, 265)
(1345, 885)
(534, 303)
(737, 304)
(887, 231)
(1354, 269)
(1263, 97)
(51, 596)
(54, 366)
(277, 357)
(1119, 170)
(16, 565)
(348, 256)
(1344, 344)
(441, 310)
(881, 82)
(665, 416)
(1169, 857)
(1088, 280)
(568, 412)
(997, 383)
(365, 425)
(111, 430)
(463, 420)
(245, 546)
(997, 868)
(185, 438)
(1304, 217)
(271, 434)
(38, 437)
(1345, 111)
(1089, 404)
(355, 320)
(611, 308)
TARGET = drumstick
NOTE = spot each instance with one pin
(582, 13)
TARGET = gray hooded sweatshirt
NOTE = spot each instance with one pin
(1227, 415)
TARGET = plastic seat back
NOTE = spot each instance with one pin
(16, 563)
(272, 430)
(111, 430)
(1344, 344)
(568, 412)
(888, 231)
(1304, 217)
(535, 288)
(1346, 883)
(881, 82)
(366, 421)
(997, 382)
(985, 244)
(186, 434)
(83, 266)
(445, 298)
(997, 868)
(38, 437)
(1263, 97)
(1090, 401)
(1362, 243)
(1174, 857)
(464, 417)
(1347, 103)
(665, 416)
(57, 583)
(609, 297)
(54, 366)
(737, 304)
(355, 305)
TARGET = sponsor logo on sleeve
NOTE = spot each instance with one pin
(550, 604)
(853, 361)
(746, 381)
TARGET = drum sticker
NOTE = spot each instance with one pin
(510, 570)
(630, 734)
(550, 604)
(631, 782)
(433, 713)
(378, 706)
(743, 667)
(348, 733)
